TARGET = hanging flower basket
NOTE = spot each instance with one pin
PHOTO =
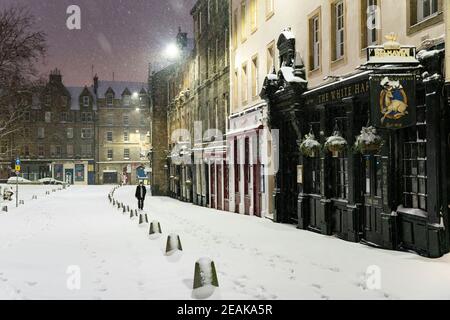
(171, 177)
(188, 183)
(368, 142)
(335, 143)
(176, 178)
(310, 146)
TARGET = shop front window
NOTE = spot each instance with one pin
(415, 168)
(316, 174)
(340, 176)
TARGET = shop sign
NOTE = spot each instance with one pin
(391, 52)
(393, 100)
(300, 174)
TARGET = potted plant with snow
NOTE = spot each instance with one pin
(368, 142)
(310, 147)
(335, 143)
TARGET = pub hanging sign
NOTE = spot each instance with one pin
(393, 100)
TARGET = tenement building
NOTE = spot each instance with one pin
(123, 132)
(56, 139)
(195, 98)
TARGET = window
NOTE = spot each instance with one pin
(225, 46)
(126, 120)
(48, 99)
(255, 79)
(41, 151)
(110, 154)
(3, 147)
(370, 22)
(244, 83)
(254, 15)
(64, 117)
(340, 177)
(26, 116)
(86, 116)
(270, 57)
(270, 9)
(126, 100)
(86, 150)
(200, 22)
(126, 136)
(235, 28)
(426, 9)
(48, 117)
(235, 88)
(415, 168)
(86, 101)
(109, 136)
(126, 154)
(70, 150)
(338, 30)
(315, 38)
(26, 150)
(110, 119)
(64, 101)
(86, 133)
(41, 133)
(209, 11)
(243, 21)
(109, 99)
(143, 121)
(69, 133)
(142, 100)
(26, 133)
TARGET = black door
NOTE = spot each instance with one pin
(373, 198)
(110, 178)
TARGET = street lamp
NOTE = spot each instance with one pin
(172, 51)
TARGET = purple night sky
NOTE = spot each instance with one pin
(120, 36)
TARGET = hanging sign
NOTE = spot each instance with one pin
(393, 100)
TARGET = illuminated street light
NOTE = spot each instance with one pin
(135, 95)
(172, 51)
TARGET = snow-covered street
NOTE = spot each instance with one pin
(43, 241)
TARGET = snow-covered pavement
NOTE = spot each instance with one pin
(44, 243)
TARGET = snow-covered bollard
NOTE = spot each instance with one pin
(34, 197)
(155, 230)
(143, 219)
(205, 279)
(124, 210)
(5, 209)
(173, 244)
(114, 202)
(128, 208)
(132, 216)
(22, 202)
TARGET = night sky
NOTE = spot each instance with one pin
(120, 36)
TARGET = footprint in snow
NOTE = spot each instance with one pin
(31, 283)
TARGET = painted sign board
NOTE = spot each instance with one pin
(393, 100)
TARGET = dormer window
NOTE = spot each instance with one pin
(109, 99)
(126, 100)
(86, 101)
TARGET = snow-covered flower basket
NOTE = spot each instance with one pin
(188, 183)
(310, 146)
(176, 178)
(368, 142)
(335, 143)
(172, 177)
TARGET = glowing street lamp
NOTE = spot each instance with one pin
(172, 51)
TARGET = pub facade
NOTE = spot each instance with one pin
(364, 157)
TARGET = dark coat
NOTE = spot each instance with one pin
(138, 192)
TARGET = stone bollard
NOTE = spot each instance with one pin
(143, 219)
(155, 229)
(173, 244)
(205, 279)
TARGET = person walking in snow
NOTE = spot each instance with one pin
(141, 192)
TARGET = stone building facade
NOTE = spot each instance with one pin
(195, 95)
(57, 135)
(123, 132)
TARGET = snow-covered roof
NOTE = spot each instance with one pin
(288, 74)
(288, 34)
(119, 87)
(75, 93)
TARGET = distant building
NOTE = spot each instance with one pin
(123, 147)
(57, 135)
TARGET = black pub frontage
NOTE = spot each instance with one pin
(365, 157)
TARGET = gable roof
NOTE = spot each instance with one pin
(75, 93)
(119, 87)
